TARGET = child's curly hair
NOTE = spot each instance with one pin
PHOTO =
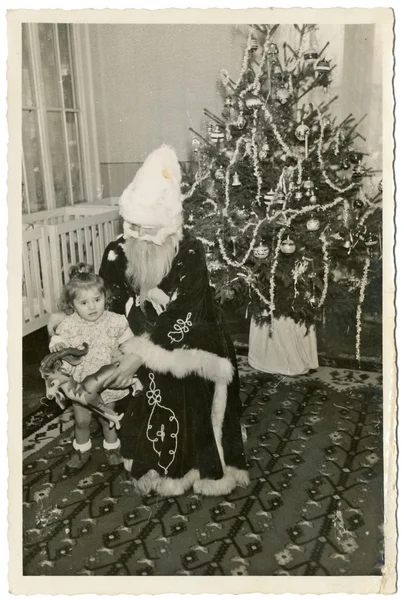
(81, 277)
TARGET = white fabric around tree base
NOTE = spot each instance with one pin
(288, 351)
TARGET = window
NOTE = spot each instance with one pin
(59, 162)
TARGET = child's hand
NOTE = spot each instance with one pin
(58, 346)
(158, 296)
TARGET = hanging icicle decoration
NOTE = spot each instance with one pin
(278, 136)
(255, 158)
(364, 283)
(321, 162)
(326, 261)
(241, 140)
(272, 279)
(345, 213)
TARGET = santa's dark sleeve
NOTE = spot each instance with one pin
(188, 337)
(112, 271)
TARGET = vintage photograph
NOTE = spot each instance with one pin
(203, 352)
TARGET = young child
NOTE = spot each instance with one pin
(84, 300)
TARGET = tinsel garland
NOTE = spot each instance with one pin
(364, 282)
(258, 74)
(244, 65)
(299, 269)
(326, 260)
(198, 180)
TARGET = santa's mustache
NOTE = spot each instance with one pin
(149, 263)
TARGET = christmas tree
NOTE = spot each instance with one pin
(276, 193)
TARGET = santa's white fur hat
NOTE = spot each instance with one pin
(154, 198)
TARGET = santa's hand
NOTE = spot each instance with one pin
(158, 296)
(125, 369)
(54, 320)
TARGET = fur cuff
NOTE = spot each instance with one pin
(181, 362)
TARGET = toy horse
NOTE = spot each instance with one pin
(60, 383)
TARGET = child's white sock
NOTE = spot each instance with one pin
(111, 445)
(82, 447)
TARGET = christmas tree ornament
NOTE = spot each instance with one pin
(355, 157)
(283, 94)
(254, 43)
(315, 128)
(269, 197)
(313, 199)
(301, 132)
(358, 172)
(380, 186)
(298, 195)
(322, 66)
(253, 101)
(273, 52)
(347, 243)
(310, 56)
(279, 197)
(313, 224)
(217, 134)
(196, 144)
(236, 181)
(261, 251)
(371, 240)
(219, 174)
(241, 122)
(334, 167)
(288, 246)
(308, 185)
(229, 101)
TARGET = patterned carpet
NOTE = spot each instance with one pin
(314, 505)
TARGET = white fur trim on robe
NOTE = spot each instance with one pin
(181, 362)
(167, 486)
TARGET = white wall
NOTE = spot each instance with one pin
(151, 82)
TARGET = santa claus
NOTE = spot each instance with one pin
(181, 429)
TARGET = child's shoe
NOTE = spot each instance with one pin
(114, 458)
(78, 460)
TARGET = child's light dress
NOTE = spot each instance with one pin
(103, 337)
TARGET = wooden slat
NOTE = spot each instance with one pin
(65, 260)
(87, 238)
(80, 243)
(96, 251)
(49, 301)
(28, 281)
(72, 245)
(37, 278)
(102, 243)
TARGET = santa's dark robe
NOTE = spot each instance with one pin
(183, 429)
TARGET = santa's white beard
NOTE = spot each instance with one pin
(148, 263)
